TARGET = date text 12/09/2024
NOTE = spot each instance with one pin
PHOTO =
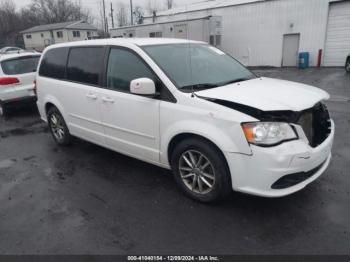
(173, 258)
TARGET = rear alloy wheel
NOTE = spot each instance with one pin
(58, 127)
(347, 66)
(201, 171)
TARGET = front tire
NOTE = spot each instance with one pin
(347, 65)
(58, 127)
(200, 170)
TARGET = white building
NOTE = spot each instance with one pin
(258, 32)
(38, 37)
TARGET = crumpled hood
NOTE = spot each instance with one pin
(268, 94)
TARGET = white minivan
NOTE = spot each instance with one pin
(187, 106)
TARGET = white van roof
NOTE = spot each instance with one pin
(123, 41)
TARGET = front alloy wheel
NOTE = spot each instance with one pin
(200, 169)
(196, 171)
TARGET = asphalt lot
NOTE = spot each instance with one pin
(85, 199)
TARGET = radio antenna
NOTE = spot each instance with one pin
(189, 49)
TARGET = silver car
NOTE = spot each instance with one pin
(10, 50)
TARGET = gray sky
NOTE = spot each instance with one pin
(94, 5)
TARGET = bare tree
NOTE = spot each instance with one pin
(9, 25)
(153, 6)
(56, 11)
(138, 14)
(122, 15)
(38, 12)
(169, 3)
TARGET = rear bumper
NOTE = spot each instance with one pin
(19, 102)
(281, 170)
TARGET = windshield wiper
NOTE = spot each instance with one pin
(234, 81)
(199, 86)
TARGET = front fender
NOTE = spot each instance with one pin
(233, 140)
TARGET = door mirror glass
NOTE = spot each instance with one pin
(142, 86)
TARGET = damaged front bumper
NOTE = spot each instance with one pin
(281, 170)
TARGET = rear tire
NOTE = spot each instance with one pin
(347, 65)
(58, 127)
(3, 110)
(201, 171)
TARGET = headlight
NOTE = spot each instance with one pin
(268, 133)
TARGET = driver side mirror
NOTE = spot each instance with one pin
(143, 86)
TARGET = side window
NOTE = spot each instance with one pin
(123, 67)
(54, 63)
(84, 65)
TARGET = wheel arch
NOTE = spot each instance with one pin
(187, 135)
(52, 102)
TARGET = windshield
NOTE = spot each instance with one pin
(208, 67)
(20, 65)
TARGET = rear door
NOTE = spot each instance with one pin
(81, 92)
(23, 68)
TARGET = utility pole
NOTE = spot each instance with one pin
(104, 16)
(112, 10)
(131, 14)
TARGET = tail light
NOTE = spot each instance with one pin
(8, 81)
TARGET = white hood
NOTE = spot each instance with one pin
(269, 94)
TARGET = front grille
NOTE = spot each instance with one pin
(296, 178)
(316, 124)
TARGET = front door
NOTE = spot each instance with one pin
(290, 49)
(131, 122)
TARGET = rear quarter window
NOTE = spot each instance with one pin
(84, 65)
(53, 64)
(21, 65)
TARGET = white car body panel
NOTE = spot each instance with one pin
(143, 127)
(269, 94)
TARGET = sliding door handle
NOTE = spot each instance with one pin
(107, 100)
(91, 96)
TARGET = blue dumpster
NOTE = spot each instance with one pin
(304, 58)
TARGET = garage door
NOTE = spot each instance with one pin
(338, 34)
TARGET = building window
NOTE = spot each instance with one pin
(76, 33)
(29, 36)
(59, 34)
(155, 34)
(42, 35)
(88, 33)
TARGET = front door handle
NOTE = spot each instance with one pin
(91, 96)
(107, 99)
